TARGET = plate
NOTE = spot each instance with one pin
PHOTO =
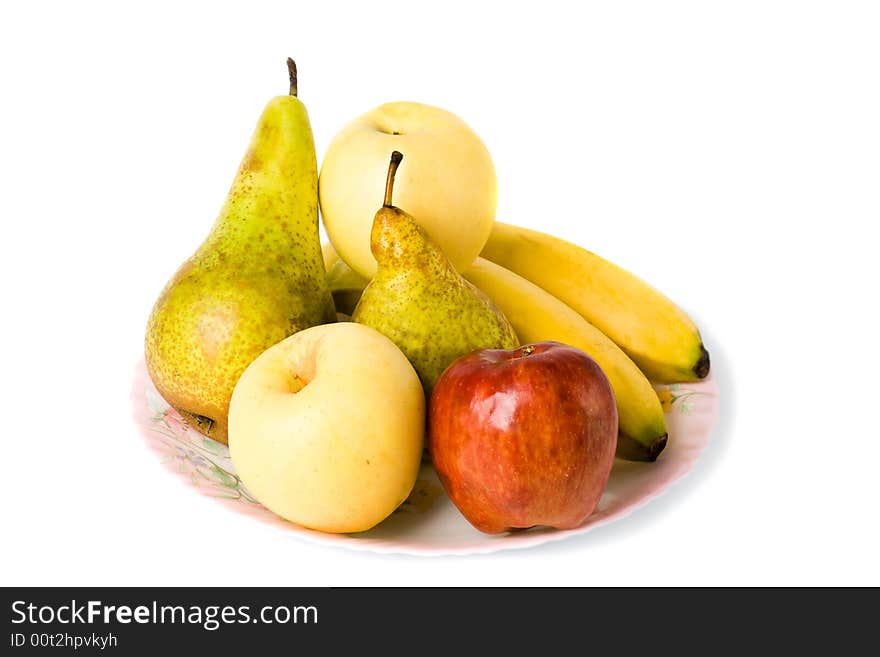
(428, 523)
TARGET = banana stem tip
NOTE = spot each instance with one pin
(701, 369)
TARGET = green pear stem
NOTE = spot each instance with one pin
(396, 157)
(291, 70)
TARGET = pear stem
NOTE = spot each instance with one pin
(396, 157)
(291, 70)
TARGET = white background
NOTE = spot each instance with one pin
(729, 153)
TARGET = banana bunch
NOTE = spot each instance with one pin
(551, 289)
(659, 337)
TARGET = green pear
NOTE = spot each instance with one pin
(257, 278)
(420, 301)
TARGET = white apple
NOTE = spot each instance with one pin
(326, 427)
(446, 181)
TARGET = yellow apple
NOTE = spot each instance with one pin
(446, 181)
(326, 427)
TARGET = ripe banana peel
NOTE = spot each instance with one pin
(654, 332)
(329, 254)
(536, 315)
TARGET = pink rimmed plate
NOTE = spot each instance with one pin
(428, 523)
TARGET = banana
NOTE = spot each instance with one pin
(330, 255)
(655, 333)
(536, 315)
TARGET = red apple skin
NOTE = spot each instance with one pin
(523, 437)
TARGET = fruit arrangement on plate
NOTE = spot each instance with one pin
(515, 364)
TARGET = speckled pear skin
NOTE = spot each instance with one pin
(422, 304)
(257, 278)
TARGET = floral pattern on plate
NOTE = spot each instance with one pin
(427, 523)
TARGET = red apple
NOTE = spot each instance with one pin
(523, 437)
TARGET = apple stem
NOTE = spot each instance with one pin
(396, 157)
(291, 70)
